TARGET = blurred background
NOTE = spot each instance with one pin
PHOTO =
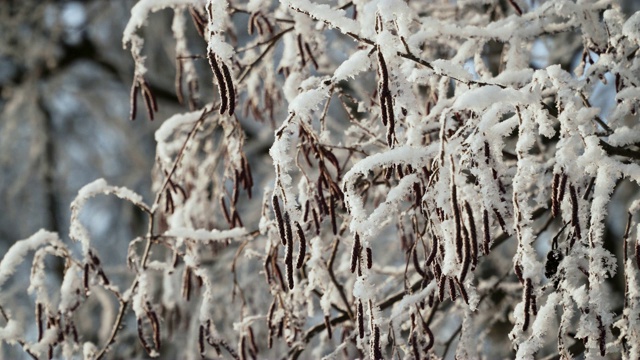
(64, 115)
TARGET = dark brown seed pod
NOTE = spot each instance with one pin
(602, 336)
(431, 340)
(516, 7)
(307, 207)
(466, 257)
(222, 85)
(332, 214)
(303, 59)
(463, 292)
(487, 153)
(235, 219)
(452, 289)
(242, 347)
(313, 59)
(279, 219)
(39, 320)
(155, 325)
(288, 261)
(487, 231)
(278, 272)
(287, 227)
(133, 99)
(434, 249)
(375, 344)
(270, 313)
(360, 320)
(225, 212)
(369, 258)
(473, 234)
(417, 191)
(199, 20)
(575, 219)
(302, 246)
(528, 290)
(555, 205)
(252, 341)
(441, 286)
(501, 221)
(201, 340)
(563, 186)
(251, 23)
(85, 278)
(416, 262)
(316, 222)
(517, 268)
(414, 346)
(143, 341)
(637, 252)
(186, 283)
(230, 89)
(392, 122)
(355, 253)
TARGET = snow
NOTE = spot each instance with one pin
(70, 283)
(308, 101)
(354, 65)
(207, 236)
(224, 50)
(333, 17)
(141, 11)
(11, 331)
(484, 97)
(631, 28)
(17, 252)
(542, 325)
(77, 231)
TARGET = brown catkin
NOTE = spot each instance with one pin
(133, 98)
(474, 235)
(431, 341)
(222, 85)
(434, 250)
(375, 344)
(555, 205)
(602, 337)
(563, 186)
(231, 90)
(575, 219)
(287, 229)
(487, 231)
(303, 59)
(452, 289)
(528, 289)
(416, 262)
(360, 320)
(637, 252)
(201, 341)
(466, 257)
(355, 253)
(279, 219)
(288, 261)
(332, 214)
(313, 59)
(302, 249)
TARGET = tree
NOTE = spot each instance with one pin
(380, 179)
